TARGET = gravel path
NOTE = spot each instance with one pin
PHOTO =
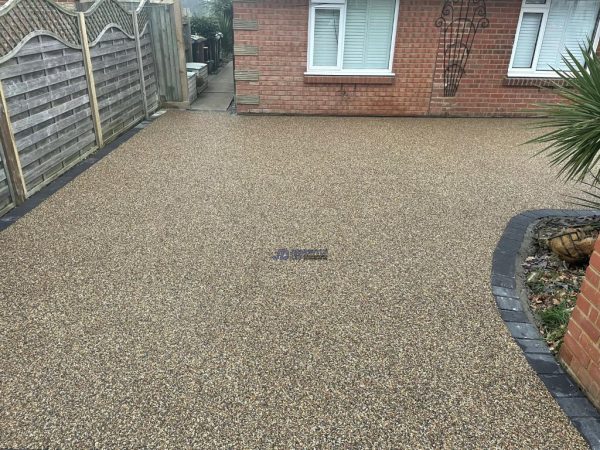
(140, 306)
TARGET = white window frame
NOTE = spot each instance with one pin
(533, 72)
(338, 70)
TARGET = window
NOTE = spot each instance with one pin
(547, 28)
(351, 37)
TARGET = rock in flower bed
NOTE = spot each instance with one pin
(552, 284)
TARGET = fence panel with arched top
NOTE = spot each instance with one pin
(69, 83)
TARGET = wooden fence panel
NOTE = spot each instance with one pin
(170, 88)
(48, 104)
(117, 80)
(69, 83)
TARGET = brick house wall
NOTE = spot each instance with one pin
(276, 52)
(580, 351)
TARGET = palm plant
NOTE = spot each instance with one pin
(573, 139)
(222, 10)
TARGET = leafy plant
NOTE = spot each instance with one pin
(573, 139)
(220, 20)
(204, 26)
(222, 10)
(555, 321)
(226, 26)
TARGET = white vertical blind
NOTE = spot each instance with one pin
(369, 29)
(326, 36)
(570, 24)
(527, 40)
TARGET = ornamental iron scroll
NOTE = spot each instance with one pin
(459, 23)
(106, 14)
(20, 20)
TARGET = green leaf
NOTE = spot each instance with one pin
(573, 136)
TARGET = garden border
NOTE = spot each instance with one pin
(512, 302)
(47, 191)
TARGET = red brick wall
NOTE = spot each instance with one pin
(580, 351)
(417, 88)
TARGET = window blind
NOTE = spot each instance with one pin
(527, 40)
(369, 29)
(326, 35)
(570, 24)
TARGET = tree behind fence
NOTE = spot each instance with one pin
(69, 83)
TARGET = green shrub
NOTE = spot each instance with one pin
(204, 26)
(573, 139)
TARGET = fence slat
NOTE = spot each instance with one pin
(116, 85)
(36, 66)
(45, 98)
(44, 133)
(64, 138)
(59, 157)
(52, 113)
(109, 50)
(12, 89)
(102, 77)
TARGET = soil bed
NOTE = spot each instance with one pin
(552, 284)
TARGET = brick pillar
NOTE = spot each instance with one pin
(580, 351)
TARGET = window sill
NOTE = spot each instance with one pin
(532, 82)
(348, 79)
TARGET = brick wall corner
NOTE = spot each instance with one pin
(580, 352)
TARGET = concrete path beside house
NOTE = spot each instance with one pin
(141, 307)
(219, 93)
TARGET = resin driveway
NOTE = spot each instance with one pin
(140, 305)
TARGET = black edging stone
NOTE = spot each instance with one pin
(514, 310)
(47, 191)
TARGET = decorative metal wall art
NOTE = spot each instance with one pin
(459, 23)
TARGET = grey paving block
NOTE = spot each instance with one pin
(560, 385)
(533, 345)
(589, 427)
(503, 281)
(514, 316)
(578, 407)
(543, 363)
(523, 330)
(504, 264)
(509, 304)
(504, 292)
